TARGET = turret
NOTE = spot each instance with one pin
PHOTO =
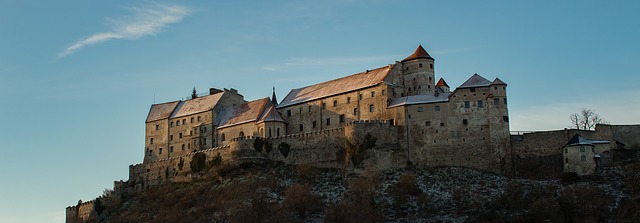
(418, 70)
(443, 85)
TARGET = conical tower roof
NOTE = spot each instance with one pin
(418, 54)
(441, 83)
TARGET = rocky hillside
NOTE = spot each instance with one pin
(273, 192)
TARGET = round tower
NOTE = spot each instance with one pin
(418, 72)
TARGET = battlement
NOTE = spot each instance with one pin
(371, 122)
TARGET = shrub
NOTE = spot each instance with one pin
(268, 147)
(284, 149)
(215, 162)
(257, 145)
(570, 177)
(181, 164)
(406, 186)
(198, 162)
(306, 173)
(299, 199)
(357, 152)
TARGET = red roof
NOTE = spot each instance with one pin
(441, 83)
(419, 53)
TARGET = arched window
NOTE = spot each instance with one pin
(222, 137)
(241, 134)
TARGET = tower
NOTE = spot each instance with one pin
(419, 75)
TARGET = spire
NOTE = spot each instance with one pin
(273, 97)
(418, 54)
(193, 93)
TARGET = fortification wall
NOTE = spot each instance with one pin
(81, 212)
(318, 148)
(626, 134)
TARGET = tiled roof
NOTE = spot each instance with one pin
(247, 112)
(419, 99)
(497, 81)
(271, 115)
(333, 87)
(441, 83)
(419, 53)
(197, 105)
(161, 111)
(475, 81)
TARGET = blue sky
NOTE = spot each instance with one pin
(77, 77)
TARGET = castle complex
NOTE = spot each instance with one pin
(413, 119)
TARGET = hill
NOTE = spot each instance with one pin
(274, 192)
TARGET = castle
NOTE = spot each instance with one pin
(413, 120)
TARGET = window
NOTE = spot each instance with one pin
(309, 108)
(204, 129)
(191, 132)
(427, 123)
(341, 118)
(171, 149)
(170, 137)
(171, 124)
(150, 140)
(191, 119)
(419, 65)
(505, 118)
(505, 101)
(431, 66)
(188, 146)
(270, 133)
(199, 118)
(301, 110)
(582, 149)
(583, 158)
(371, 108)
(160, 151)
(324, 105)
(301, 127)
(465, 121)
(241, 134)
(335, 103)
(328, 121)
(467, 104)
(566, 150)
(180, 135)
(419, 109)
(373, 94)
(204, 141)
(196, 141)
(480, 104)
(566, 160)
(221, 139)
(348, 100)
(355, 111)
(496, 101)
(289, 113)
(383, 92)
(437, 108)
(157, 127)
(182, 146)
(472, 89)
(441, 123)
(178, 123)
(360, 97)
(313, 124)
(278, 132)
(184, 121)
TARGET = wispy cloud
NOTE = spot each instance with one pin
(301, 62)
(144, 21)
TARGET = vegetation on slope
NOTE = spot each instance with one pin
(272, 192)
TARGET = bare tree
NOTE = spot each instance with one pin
(587, 119)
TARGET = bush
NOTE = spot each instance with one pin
(299, 199)
(198, 162)
(284, 149)
(406, 186)
(268, 147)
(215, 162)
(306, 173)
(257, 145)
(570, 177)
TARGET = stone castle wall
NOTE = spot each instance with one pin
(81, 212)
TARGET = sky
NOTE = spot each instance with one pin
(77, 78)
